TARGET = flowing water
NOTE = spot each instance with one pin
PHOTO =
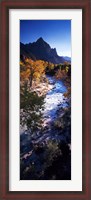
(54, 99)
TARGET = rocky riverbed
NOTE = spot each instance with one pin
(49, 148)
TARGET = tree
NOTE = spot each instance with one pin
(61, 74)
(24, 72)
(32, 70)
(31, 105)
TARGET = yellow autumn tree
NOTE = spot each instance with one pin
(32, 70)
(24, 72)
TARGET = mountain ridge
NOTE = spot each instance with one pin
(41, 50)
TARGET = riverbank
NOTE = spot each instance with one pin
(50, 148)
(42, 88)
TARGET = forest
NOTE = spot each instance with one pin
(45, 120)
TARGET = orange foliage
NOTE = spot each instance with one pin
(61, 74)
(32, 70)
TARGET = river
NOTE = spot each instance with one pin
(54, 99)
(33, 147)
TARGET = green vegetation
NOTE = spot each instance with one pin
(44, 157)
(31, 105)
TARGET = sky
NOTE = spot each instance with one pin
(57, 33)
